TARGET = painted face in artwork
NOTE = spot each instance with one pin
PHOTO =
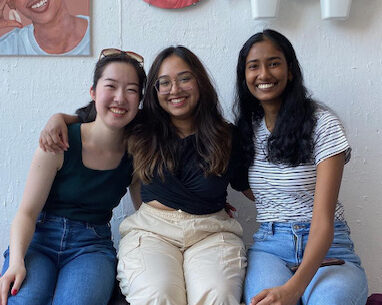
(39, 11)
(177, 89)
(266, 72)
(116, 95)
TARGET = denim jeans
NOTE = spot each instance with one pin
(279, 246)
(68, 262)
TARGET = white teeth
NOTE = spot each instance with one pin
(177, 100)
(39, 4)
(265, 86)
(117, 111)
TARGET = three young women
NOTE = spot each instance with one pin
(60, 247)
(296, 150)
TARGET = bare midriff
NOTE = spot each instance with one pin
(156, 204)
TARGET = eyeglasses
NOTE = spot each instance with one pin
(112, 51)
(184, 81)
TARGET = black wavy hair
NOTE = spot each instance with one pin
(89, 113)
(291, 141)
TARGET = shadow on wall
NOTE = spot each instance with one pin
(360, 17)
(124, 209)
(245, 214)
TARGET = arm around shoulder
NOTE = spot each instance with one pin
(54, 136)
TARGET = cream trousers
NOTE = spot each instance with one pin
(176, 258)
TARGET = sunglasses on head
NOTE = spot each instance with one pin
(112, 51)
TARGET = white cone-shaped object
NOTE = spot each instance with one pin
(335, 9)
(265, 8)
(14, 15)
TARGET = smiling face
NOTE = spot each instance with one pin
(116, 95)
(39, 11)
(181, 101)
(266, 72)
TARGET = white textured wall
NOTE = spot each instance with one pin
(342, 62)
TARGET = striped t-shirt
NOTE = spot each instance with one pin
(284, 193)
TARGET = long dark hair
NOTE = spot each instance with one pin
(155, 145)
(291, 141)
(89, 113)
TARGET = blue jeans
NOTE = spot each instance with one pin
(68, 262)
(279, 246)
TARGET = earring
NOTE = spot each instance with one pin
(14, 15)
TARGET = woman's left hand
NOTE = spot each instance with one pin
(280, 295)
(230, 210)
(4, 23)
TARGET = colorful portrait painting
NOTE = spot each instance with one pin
(45, 27)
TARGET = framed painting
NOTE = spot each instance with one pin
(45, 27)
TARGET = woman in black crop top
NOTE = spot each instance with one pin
(181, 247)
(60, 247)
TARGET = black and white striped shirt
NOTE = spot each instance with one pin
(284, 193)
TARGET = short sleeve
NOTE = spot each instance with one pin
(329, 137)
(239, 172)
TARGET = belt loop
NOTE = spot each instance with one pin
(270, 228)
(43, 216)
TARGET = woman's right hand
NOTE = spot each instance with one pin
(54, 136)
(15, 275)
(281, 295)
(5, 23)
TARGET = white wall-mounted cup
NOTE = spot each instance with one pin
(265, 8)
(335, 9)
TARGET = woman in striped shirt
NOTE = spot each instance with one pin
(296, 151)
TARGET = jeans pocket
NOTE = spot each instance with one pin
(233, 251)
(260, 235)
(101, 231)
(130, 261)
(342, 239)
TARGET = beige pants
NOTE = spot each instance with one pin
(172, 257)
